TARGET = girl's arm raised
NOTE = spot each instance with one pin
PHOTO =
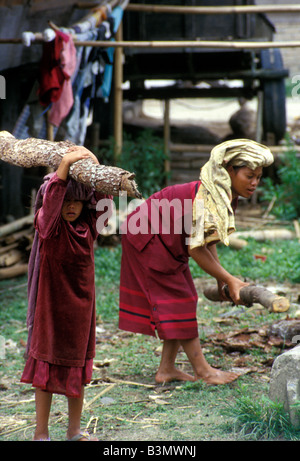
(74, 155)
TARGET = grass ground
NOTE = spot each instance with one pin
(123, 403)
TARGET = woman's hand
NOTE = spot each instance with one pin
(234, 287)
(222, 293)
(206, 259)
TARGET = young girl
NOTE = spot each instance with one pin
(157, 293)
(61, 312)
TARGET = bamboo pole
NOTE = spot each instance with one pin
(167, 136)
(193, 44)
(201, 9)
(203, 148)
(118, 96)
(237, 45)
(214, 9)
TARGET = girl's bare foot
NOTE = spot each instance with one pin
(172, 375)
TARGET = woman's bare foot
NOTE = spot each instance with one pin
(172, 375)
(214, 376)
(81, 437)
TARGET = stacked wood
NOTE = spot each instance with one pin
(15, 244)
(32, 152)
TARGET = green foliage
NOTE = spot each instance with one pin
(282, 261)
(286, 192)
(143, 156)
(259, 418)
(192, 410)
(107, 278)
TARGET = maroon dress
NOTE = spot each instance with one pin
(62, 344)
(157, 292)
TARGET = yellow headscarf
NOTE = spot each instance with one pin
(213, 217)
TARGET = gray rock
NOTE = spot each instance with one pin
(285, 383)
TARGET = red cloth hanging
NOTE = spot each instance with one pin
(52, 75)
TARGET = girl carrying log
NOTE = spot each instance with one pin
(61, 289)
(157, 293)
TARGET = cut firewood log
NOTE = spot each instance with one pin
(32, 152)
(10, 258)
(252, 294)
(237, 243)
(6, 248)
(13, 271)
(14, 226)
(267, 234)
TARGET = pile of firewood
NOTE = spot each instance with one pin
(15, 244)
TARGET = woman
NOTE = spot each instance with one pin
(157, 293)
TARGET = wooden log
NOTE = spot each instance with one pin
(252, 294)
(32, 152)
(13, 271)
(16, 225)
(267, 234)
(6, 248)
(237, 243)
(10, 258)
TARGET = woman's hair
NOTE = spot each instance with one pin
(236, 167)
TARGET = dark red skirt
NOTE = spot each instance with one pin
(152, 301)
(57, 379)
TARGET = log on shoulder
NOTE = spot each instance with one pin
(253, 294)
(32, 152)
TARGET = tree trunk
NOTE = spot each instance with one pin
(252, 294)
(33, 152)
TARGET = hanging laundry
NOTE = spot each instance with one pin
(52, 75)
(63, 105)
(74, 126)
(104, 89)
